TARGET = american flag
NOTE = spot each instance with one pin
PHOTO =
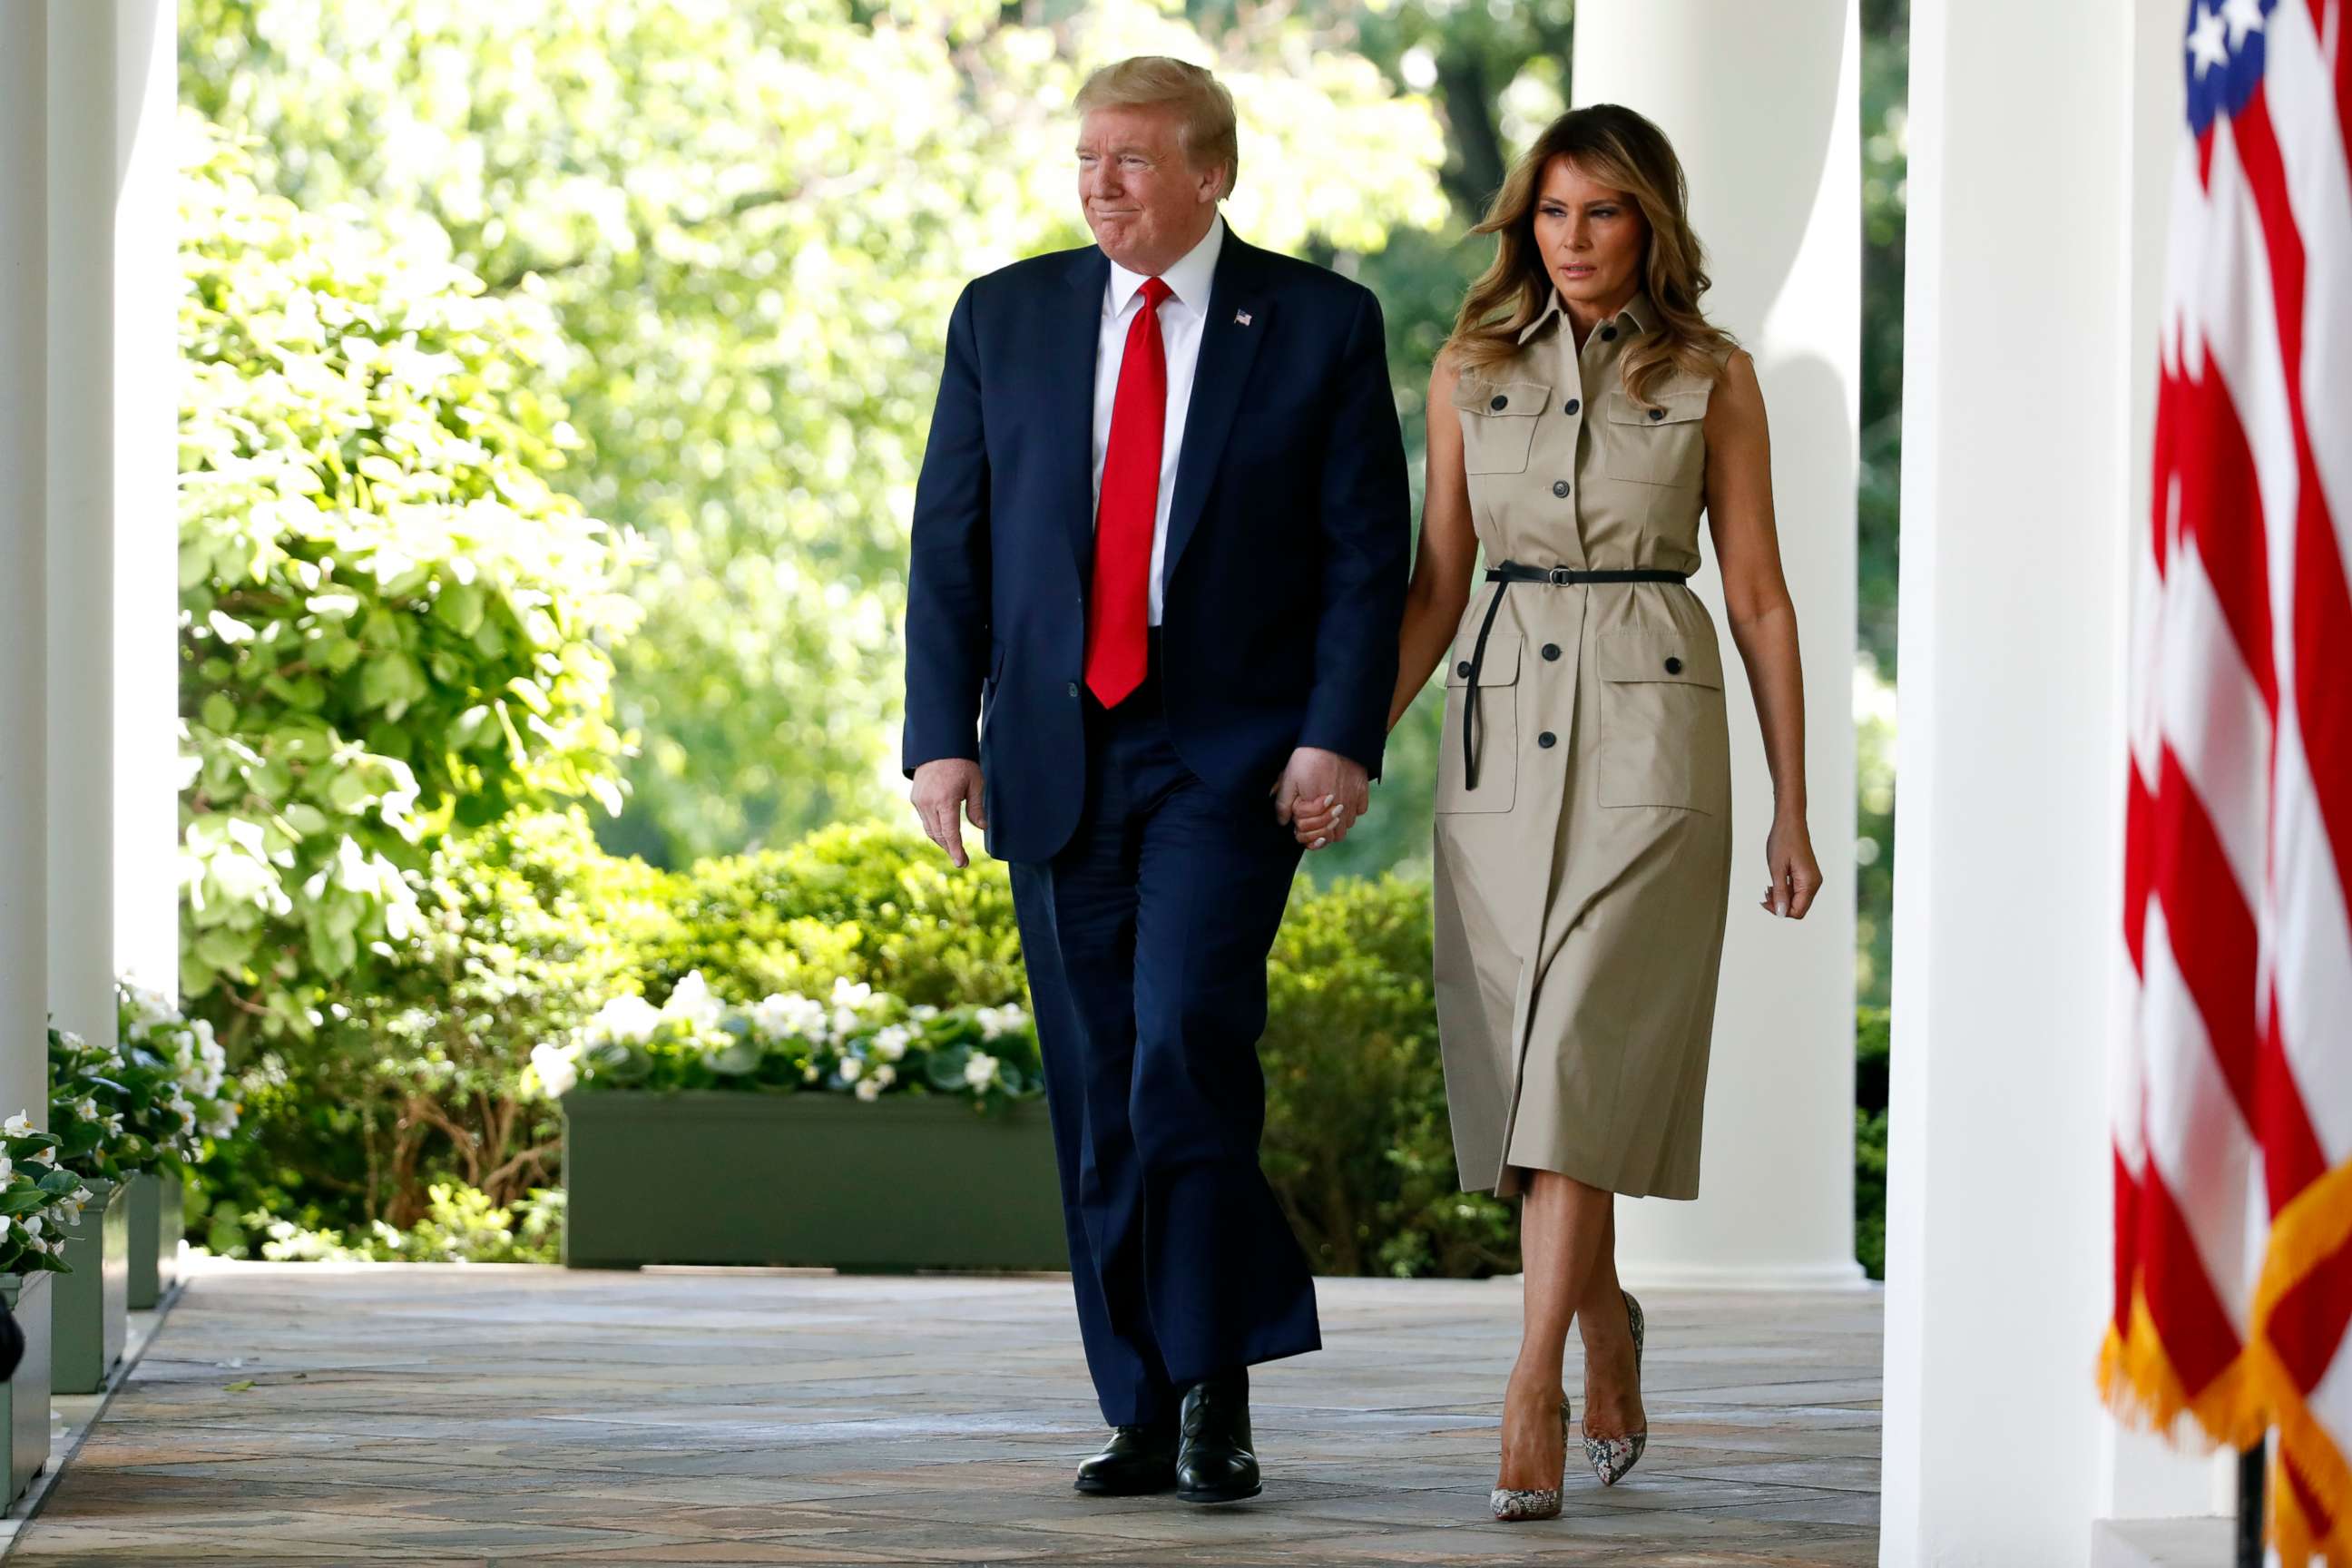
(2234, 1094)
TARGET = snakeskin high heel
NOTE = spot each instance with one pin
(1611, 1458)
(1512, 1504)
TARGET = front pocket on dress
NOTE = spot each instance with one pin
(1497, 734)
(1498, 423)
(1664, 442)
(1662, 735)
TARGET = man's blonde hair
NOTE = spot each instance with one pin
(1206, 129)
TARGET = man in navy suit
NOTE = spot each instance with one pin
(1160, 553)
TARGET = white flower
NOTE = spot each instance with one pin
(996, 1021)
(922, 1011)
(981, 1071)
(850, 1067)
(628, 1019)
(808, 1073)
(17, 1125)
(80, 1195)
(882, 1077)
(891, 1043)
(869, 1089)
(45, 1157)
(32, 1224)
(7, 1170)
(850, 1001)
(148, 1007)
(85, 1108)
(114, 1124)
(692, 1004)
(558, 1068)
(789, 1016)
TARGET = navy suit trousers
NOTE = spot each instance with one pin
(1146, 939)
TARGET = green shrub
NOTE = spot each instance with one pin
(390, 624)
(1356, 1144)
(878, 905)
(1872, 1039)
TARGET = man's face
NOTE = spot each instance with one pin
(1143, 199)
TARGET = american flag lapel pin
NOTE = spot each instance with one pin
(1243, 317)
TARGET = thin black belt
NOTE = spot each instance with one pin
(1507, 573)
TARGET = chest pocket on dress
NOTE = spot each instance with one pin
(1496, 734)
(1664, 442)
(1663, 740)
(1498, 423)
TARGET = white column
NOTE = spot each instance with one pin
(2024, 445)
(1762, 104)
(81, 517)
(146, 417)
(23, 348)
(111, 568)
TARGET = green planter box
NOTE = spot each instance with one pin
(155, 1205)
(25, 1398)
(903, 1182)
(90, 1307)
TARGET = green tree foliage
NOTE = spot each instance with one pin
(752, 217)
(389, 622)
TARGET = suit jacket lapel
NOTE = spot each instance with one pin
(1239, 316)
(1077, 342)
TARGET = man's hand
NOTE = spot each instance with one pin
(942, 788)
(1320, 795)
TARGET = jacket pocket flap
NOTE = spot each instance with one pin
(1502, 665)
(1670, 408)
(1657, 655)
(1508, 398)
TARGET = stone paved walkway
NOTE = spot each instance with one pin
(308, 1413)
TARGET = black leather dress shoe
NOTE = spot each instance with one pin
(1137, 1460)
(1213, 1462)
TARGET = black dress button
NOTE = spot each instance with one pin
(1551, 650)
(1463, 669)
(1608, 334)
(1673, 666)
(1559, 487)
(1573, 405)
(1074, 688)
(1497, 401)
(1657, 414)
(1546, 740)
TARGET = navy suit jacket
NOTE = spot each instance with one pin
(1288, 536)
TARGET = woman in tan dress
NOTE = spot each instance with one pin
(1582, 416)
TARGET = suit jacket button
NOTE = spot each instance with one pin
(1551, 650)
(1673, 666)
(1559, 487)
(1573, 405)
(1497, 401)
(1546, 740)
(1463, 669)
(1074, 688)
(1608, 334)
(1657, 414)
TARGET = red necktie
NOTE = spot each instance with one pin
(1119, 607)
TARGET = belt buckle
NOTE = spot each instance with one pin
(1560, 576)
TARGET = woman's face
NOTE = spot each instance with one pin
(1591, 237)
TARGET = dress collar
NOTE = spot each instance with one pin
(1638, 315)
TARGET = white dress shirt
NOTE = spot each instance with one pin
(1182, 316)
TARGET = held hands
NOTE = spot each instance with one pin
(1789, 851)
(1320, 795)
(943, 788)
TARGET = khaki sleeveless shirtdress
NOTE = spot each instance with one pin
(1582, 886)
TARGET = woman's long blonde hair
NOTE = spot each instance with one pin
(1618, 148)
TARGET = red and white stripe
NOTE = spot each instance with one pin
(2234, 1090)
